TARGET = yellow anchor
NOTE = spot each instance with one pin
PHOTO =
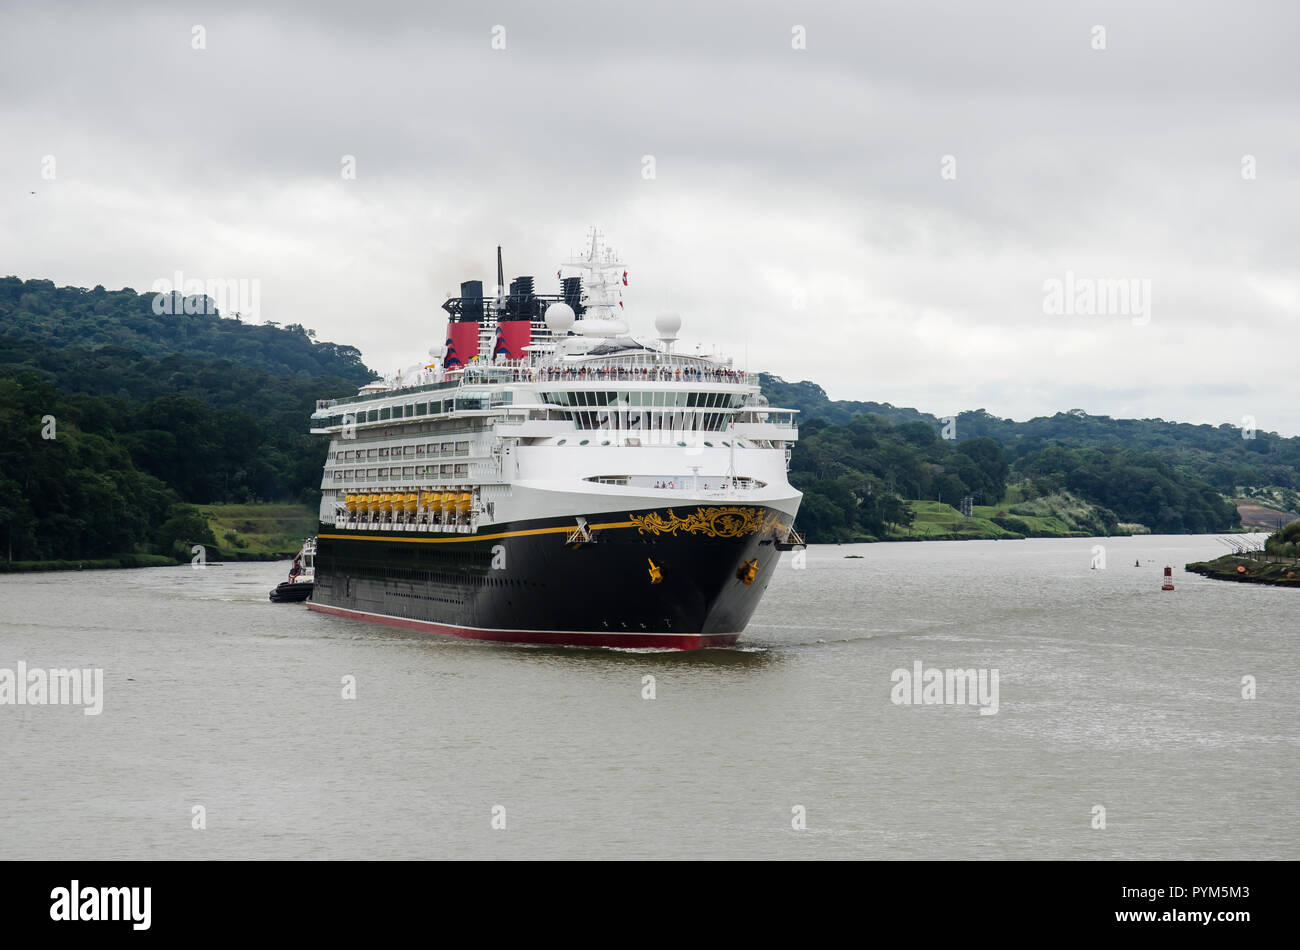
(656, 575)
(748, 571)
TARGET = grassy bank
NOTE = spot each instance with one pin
(1281, 572)
(103, 563)
(259, 532)
(1055, 516)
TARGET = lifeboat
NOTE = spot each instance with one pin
(412, 502)
(464, 501)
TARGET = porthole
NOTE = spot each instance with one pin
(709, 444)
(562, 441)
(584, 442)
(606, 442)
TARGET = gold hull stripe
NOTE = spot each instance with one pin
(568, 529)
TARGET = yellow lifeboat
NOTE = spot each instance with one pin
(465, 500)
(447, 500)
(412, 502)
(351, 502)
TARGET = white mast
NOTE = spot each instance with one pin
(600, 290)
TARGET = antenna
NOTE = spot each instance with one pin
(501, 274)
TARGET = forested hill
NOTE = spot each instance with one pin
(121, 420)
(1217, 455)
(58, 317)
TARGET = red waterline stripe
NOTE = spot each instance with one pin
(571, 638)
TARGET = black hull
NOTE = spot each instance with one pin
(525, 581)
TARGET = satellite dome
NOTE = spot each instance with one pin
(668, 324)
(559, 317)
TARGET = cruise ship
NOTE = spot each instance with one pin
(546, 478)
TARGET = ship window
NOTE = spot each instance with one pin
(659, 399)
(385, 413)
(606, 442)
(462, 469)
(338, 475)
(584, 442)
(408, 450)
(710, 444)
(446, 469)
(682, 444)
(435, 407)
(421, 408)
(462, 448)
(410, 410)
(371, 453)
(383, 473)
(562, 441)
(383, 453)
(419, 450)
(338, 456)
(408, 470)
(448, 448)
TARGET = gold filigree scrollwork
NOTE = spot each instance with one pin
(721, 522)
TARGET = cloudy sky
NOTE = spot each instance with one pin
(881, 211)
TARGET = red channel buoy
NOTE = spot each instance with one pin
(1169, 579)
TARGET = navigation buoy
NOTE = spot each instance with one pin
(1137, 563)
(1169, 579)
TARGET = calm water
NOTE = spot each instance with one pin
(1112, 693)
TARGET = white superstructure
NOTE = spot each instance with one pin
(590, 420)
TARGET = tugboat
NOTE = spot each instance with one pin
(302, 577)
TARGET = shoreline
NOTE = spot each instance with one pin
(1225, 568)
